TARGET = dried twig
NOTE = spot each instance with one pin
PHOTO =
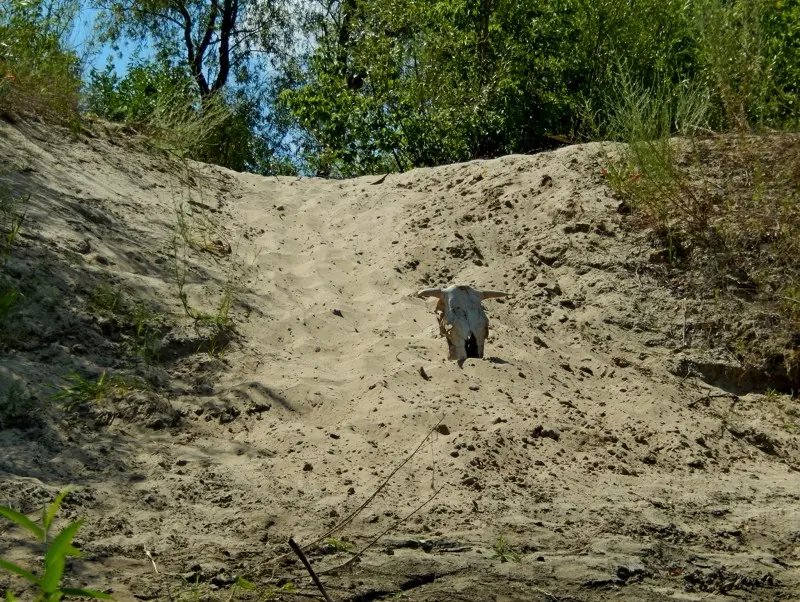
(349, 518)
(709, 396)
(311, 572)
(391, 527)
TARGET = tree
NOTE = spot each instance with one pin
(215, 39)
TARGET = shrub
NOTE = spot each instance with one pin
(38, 74)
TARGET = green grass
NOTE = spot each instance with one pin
(135, 316)
(12, 216)
(337, 545)
(196, 232)
(48, 580)
(725, 208)
(177, 126)
(78, 391)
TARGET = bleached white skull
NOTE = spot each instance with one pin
(462, 320)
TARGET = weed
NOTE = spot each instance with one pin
(220, 321)
(135, 316)
(79, 391)
(106, 299)
(147, 344)
(179, 127)
(8, 299)
(195, 591)
(504, 552)
(12, 215)
(337, 545)
(57, 550)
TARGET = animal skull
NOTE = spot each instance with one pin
(462, 320)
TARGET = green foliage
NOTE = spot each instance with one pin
(57, 550)
(397, 84)
(134, 98)
(37, 73)
(205, 95)
(504, 552)
(79, 391)
(394, 84)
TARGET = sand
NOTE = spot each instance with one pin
(614, 455)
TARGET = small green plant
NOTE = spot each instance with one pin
(146, 337)
(194, 591)
(504, 552)
(12, 215)
(135, 316)
(337, 545)
(8, 299)
(106, 299)
(80, 391)
(57, 550)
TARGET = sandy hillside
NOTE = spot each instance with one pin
(599, 452)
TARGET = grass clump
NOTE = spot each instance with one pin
(12, 216)
(726, 210)
(195, 231)
(48, 581)
(78, 391)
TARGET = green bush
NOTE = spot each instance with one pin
(38, 74)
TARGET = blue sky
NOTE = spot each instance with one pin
(96, 56)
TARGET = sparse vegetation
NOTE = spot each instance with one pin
(12, 216)
(48, 583)
(37, 74)
(79, 391)
(503, 552)
(135, 316)
(195, 231)
(338, 545)
(241, 589)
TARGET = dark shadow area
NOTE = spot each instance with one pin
(496, 360)
(75, 242)
(737, 380)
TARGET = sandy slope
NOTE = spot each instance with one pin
(588, 439)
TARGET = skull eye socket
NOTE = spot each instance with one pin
(471, 345)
